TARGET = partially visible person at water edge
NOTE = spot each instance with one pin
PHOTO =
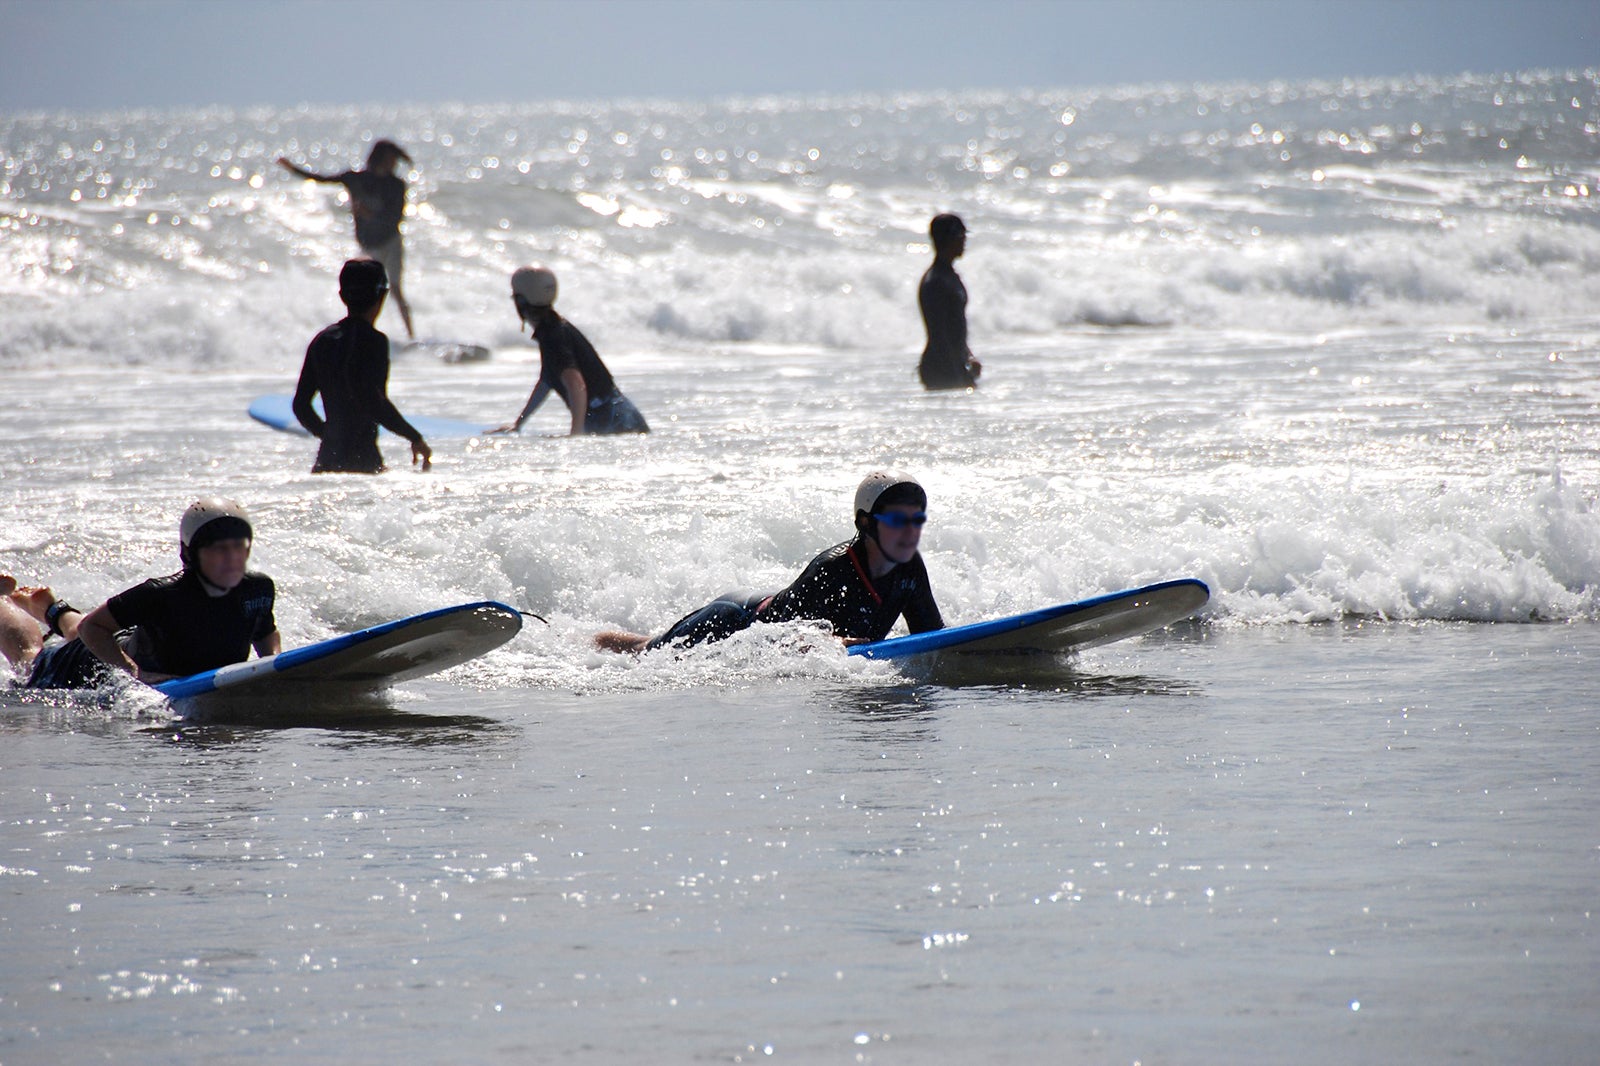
(209, 614)
(859, 588)
(377, 202)
(947, 362)
(348, 363)
(568, 364)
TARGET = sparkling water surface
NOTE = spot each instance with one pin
(1328, 347)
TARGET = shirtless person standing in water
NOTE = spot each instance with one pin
(947, 362)
(377, 200)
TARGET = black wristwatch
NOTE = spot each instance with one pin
(53, 613)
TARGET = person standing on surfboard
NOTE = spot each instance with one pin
(377, 202)
(568, 364)
(947, 362)
(209, 614)
(348, 363)
(860, 588)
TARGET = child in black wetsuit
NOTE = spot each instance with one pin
(211, 613)
(860, 588)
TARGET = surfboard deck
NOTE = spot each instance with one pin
(447, 351)
(1065, 627)
(277, 411)
(372, 658)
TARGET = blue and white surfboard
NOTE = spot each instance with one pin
(371, 658)
(1065, 627)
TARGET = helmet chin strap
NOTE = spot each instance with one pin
(868, 528)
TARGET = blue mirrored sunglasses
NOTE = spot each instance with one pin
(900, 520)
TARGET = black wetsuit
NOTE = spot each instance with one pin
(563, 347)
(349, 364)
(834, 589)
(171, 625)
(946, 359)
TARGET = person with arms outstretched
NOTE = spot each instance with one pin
(568, 364)
(377, 202)
(348, 363)
(211, 613)
(947, 362)
(859, 588)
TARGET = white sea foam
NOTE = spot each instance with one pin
(1325, 346)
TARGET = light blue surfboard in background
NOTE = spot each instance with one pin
(1065, 627)
(277, 411)
(372, 658)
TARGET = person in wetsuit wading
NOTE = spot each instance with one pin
(209, 614)
(947, 362)
(349, 364)
(568, 364)
(859, 588)
(377, 202)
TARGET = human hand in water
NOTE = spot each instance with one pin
(420, 450)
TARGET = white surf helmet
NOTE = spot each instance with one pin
(534, 285)
(884, 488)
(208, 520)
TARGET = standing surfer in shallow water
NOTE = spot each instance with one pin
(859, 588)
(947, 362)
(377, 201)
(348, 363)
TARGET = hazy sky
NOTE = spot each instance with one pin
(110, 54)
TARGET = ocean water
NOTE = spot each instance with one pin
(1330, 347)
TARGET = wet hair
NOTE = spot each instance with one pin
(945, 228)
(385, 150)
(228, 527)
(906, 492)
(362, 283)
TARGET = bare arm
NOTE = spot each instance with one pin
(304, 173)
(535, 398)
(577, 398)
(98, 630)
(271, 644)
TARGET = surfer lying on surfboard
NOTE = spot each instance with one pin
(209, 614)
(860, 588)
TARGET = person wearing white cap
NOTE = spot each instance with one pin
(209, 614)
(859, 588)
(568, 364)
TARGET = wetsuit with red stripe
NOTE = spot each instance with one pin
(836, 588)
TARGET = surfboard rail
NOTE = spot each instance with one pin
(374, 657)
(1064, 627)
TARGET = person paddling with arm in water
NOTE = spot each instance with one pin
(211, 613)
(348, 363)
(568, 364)
(947, 362)
(859, 588)
(377, 202)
